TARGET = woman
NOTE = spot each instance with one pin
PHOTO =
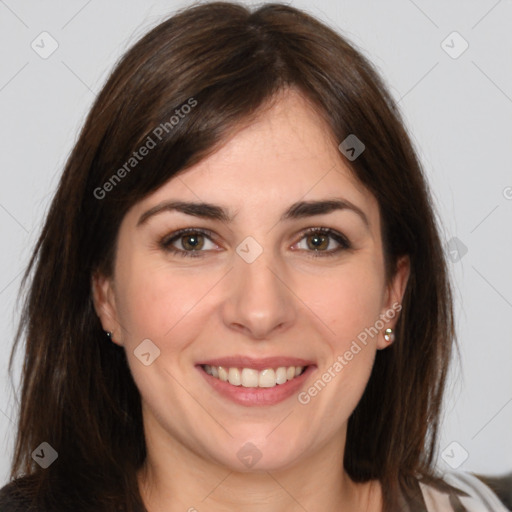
(239, 299)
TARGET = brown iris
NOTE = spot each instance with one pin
(193, 242)
(319, 241)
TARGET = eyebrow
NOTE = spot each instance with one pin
(297, 210)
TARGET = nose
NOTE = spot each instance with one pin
(259, 300)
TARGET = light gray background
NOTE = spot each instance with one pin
(459, 112)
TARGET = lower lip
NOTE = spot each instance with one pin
(257, 396)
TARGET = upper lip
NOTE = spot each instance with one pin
(257, 364)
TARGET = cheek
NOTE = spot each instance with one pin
(348, 301)
(350, 305)
(152, 301)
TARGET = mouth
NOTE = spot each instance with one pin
(252, 378)
(253, 382)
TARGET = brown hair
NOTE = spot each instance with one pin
(77, 391)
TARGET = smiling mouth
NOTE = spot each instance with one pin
(251, 378)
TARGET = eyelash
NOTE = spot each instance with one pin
(166, 242)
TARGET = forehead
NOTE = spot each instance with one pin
(286, 154)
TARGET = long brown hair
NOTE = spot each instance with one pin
(77, 392)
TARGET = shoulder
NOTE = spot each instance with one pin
(16, 497)
(501, 485)
(475, 496)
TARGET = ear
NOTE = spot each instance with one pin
(103, 296)
(393, 299)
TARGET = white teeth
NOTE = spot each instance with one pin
(234, 377)
(223, 373)
(267, 378)
(251, 378)
(281, 375)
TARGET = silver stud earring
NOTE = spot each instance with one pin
(389, 335)
(109, 334)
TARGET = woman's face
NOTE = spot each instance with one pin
(249, 289)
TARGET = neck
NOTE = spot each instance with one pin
(175, 478)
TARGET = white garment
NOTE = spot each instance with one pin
(481, 498)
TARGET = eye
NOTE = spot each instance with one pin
(188, 242)
(191, 242)
(320, 242)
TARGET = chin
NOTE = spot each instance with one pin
(252, 454)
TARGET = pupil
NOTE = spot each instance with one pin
(191, 242)
(318, 240)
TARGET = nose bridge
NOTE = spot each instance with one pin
(259, 302)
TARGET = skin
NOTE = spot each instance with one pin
(287, 302)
